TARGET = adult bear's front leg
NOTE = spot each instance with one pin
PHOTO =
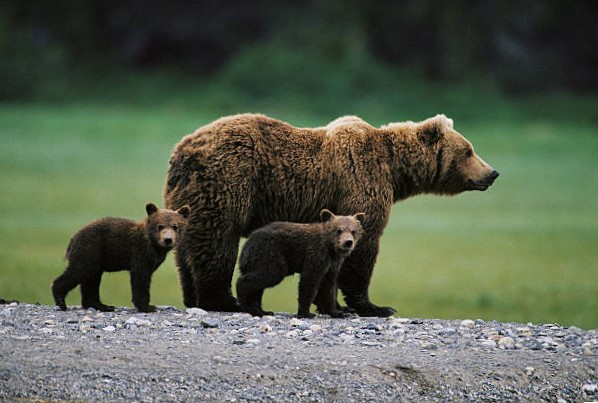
(211, 263)
(354, 280)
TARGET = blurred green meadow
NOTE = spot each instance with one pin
(526, 250)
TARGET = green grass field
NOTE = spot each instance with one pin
(526, 250)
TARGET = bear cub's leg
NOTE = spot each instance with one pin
(250, 290)
(62, 286)
(90, 294)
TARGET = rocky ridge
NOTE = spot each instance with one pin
(181, 355)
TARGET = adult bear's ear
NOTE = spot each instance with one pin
(151, 208)
(431, 130)
(326, 215)
(184, 211)
(360, 217)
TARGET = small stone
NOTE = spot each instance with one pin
(296, 322)
(268, 318)
(264, 328)
(400, 321)
(109, 328)
(467, 324)
(195, 312)
(85, 328)
(86, 318)
(589, 388)
(506, 343)
(524, 331)
(292, 333)
(253, 341)
(307, 333)
(529, 371)
(449, 331)
(480, 322)
(489, 343)
(370, 343)
(315, 328)
(137, 322)
(209, 324)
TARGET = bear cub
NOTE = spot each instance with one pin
(116, 244)
(316, 251)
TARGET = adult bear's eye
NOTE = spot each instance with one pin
(175, 227)
(469, 153)
(353, 232)
(339, 231)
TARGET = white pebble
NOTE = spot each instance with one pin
(196, 312)
(252, 341)
(489, 343)
(308, 333)
(529, 371)
(506, 343)
(296, 322)
(590, 388)
(264, 327)
(315, 328)
(468, 324)
(86, 318)
(292, 333)
(109, 328)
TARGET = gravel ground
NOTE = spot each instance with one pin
(175, 355)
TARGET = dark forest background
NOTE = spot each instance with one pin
(515, 46)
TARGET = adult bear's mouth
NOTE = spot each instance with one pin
(485, 183)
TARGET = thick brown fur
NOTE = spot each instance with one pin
(316, 251)
(242, 172)
(115, 244)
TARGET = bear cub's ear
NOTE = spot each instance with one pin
(431, 130)
(326, 215)
(151, 208)
(184, 211)
(360, 217)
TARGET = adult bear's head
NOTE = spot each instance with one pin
(442, 160)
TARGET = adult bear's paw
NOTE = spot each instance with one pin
(373, 310)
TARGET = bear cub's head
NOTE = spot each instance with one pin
(343, 232)
(164, 226)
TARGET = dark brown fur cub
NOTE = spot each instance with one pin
(316, 251)
(116, 244)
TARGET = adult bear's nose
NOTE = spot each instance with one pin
(494, 174)
(348, 244)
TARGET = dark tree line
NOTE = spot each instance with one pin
(525, 44)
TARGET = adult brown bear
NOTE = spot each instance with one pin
(242, 172)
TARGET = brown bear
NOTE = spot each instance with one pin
(281, 249)
(115, 244)
(242, 172)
